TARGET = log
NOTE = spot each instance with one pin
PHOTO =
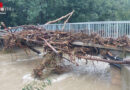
(105, 60)
(67, 20)
(49, 45)
(79, 43)
(54, 21)
(24, 43)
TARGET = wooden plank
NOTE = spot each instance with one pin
(78, 43)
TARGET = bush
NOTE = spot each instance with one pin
(37, 85)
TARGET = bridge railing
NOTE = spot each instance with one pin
(112, 29)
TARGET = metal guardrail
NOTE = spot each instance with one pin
(112, 29)
(105, 29)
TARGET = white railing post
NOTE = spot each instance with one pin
(89, 28)
(69, 27)
(117, 29)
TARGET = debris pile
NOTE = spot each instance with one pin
(58, 43)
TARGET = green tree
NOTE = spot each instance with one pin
(41, 11)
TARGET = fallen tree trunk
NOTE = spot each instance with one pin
(105, 60)
(25, 43)
(54, 21)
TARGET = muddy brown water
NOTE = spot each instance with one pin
(16, 68)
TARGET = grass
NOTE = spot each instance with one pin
(37, 85)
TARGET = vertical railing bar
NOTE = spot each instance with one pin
(105, 30)
(115, 36)
(128, 29)
(93, 27)
(69, 27)
(125, 28)
(86, 28)
(114, 30)
(89, 28)
(98, 29)
(122, 29)
(117, 29)
(108, 30)
(101, 30)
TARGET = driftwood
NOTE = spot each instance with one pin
(62, 41)
(67, 20)
(50, 46)
(58, 43)
(104, 60)
(54, 21)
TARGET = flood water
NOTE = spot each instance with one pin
(16, 69)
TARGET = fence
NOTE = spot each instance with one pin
(112, 29)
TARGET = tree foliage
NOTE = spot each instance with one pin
(41, 11)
